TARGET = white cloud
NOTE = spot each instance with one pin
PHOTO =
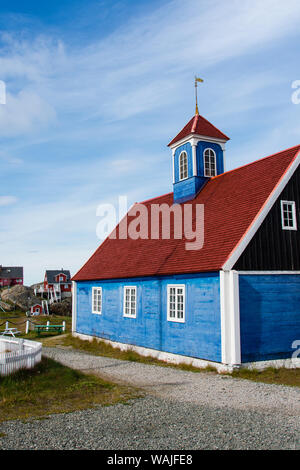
(24, 113)
(7, 200)
(142, 66)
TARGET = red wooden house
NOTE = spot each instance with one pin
(58, 282)
(36, 309)
(11, 276)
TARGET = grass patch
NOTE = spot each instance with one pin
(10, 315)
(53, 388)
(42, 320)
(282, 376)
(270, 375)
(100, 348)
(18, 320)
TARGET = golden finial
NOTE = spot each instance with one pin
(196, 86)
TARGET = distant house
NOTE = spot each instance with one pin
(11, 276)
(36, 309)
(57, 284)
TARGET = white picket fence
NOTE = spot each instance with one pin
(22, 354)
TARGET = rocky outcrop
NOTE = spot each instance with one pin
(21, 296)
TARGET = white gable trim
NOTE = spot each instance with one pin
(197, 138)
(260, 217)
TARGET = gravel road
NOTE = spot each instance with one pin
(181, 410)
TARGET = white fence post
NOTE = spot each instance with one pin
(48, 323)
(27, 327)
(64, 326)
(6, 325)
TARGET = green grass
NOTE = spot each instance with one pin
(53, 388)
(280, 376)
(18, 320)
(10, 315)
(42, 320)
(100, 348)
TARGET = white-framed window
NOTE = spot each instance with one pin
(129, 304)
(97, 300)
(183, 166)
(176, 303)
(288, 215)
(210, 163)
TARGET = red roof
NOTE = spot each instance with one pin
(198, 125)
(231, 202)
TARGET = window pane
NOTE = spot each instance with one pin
(288, 215)
(209, 163)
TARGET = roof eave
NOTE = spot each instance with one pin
(198, 137)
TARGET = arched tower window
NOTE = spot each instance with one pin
(210, 163)
(183, 166)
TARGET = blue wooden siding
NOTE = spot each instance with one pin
(270, 316)
(199, 336)
(188, 149)
(201, 147)
(187, 189)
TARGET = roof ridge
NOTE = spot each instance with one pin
(255, 161)
(214, 126)
(195, 120)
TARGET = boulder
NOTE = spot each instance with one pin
(21, 296)
(63, 308)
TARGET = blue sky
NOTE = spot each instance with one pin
(96, 90)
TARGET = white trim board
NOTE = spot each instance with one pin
(230, 318)
(268, 273)
(198, 138)
(260, 217)
(74, 305)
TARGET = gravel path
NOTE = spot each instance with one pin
(198, 388)
(181, 410)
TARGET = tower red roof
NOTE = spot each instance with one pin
(198, 125)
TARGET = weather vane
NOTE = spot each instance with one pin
(197, 79)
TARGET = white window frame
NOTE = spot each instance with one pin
(176, 287)
(215, 160)
(294, 215)
(126, 314)
(94, 290)
(185, 170)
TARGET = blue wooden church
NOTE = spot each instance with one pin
(235, 301)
